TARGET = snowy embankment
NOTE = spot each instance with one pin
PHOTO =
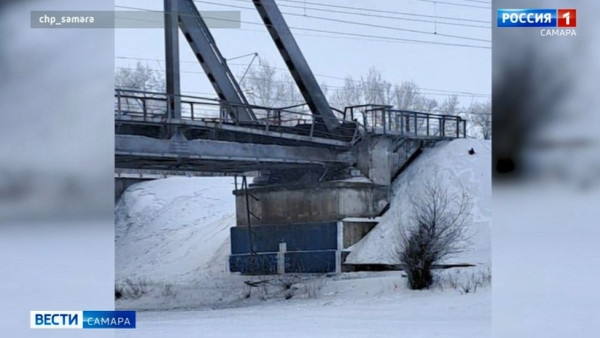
(172, 243)
(174, 229)
(455, 167)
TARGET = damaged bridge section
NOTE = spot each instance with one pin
(205, 155)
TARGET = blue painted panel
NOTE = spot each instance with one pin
(310, 262)
(298, 237)
(295, 262)
(265, 264)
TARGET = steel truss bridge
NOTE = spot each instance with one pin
(208, 139)
(179, 133)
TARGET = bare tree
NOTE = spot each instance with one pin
(450, 106)
(262, 87)
(142, 78)
(437, 230)
(428, 105)
(349, 94)
(374, 89)
(481, 117)
(266, 86)
(407, 96)
(370, 89)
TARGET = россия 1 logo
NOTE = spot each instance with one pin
(555, 22)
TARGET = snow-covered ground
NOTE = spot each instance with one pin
(172, 244)
(361, 307)
(54, 265)
(174, 229)
(451, 162)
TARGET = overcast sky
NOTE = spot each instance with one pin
(441, 63)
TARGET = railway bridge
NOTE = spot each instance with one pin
(314, 166)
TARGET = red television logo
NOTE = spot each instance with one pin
(567, 18)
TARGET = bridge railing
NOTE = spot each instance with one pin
(383, 119)
(154, 107)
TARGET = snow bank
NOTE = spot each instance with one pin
(369, 307)
(454, 166)
(172, 235)
(174, 230)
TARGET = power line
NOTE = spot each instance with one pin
(378, 37)
(382, 11)
(329, 10)
(479, 1)
(455, 4)
(354, 22)
(393, 39)
(399, 29)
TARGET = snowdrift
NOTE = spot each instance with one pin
(455, 167)
(172, 235)
(174, 230)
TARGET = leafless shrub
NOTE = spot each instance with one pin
(258, 286)
(288, 283)
(436, 230)
(287, 286)
(464, 281)
(167, 290)
(131, 288)
(314, 285)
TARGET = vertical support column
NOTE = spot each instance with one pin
(383, 121)
(340, 247)
(415, 123)
(172, 60)
(119, 102)
(281, 258)
(375, 159)
(458, 128)
(443, 126)
(402, 124)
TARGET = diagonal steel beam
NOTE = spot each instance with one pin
(294, 60)
(214, 64)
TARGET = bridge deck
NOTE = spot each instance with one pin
(146, 109)
(207, 139)
(177, 153)
(266, 129)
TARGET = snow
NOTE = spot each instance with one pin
(172, 236)
(363, 307)
(545, 256)
(455, 167)
(174, 225)
(358, 179)
(54, 265)
(172, 244)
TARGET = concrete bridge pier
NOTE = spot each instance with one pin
(309, 221)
